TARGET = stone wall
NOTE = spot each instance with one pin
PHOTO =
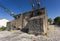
(36, 25)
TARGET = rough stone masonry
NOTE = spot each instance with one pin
(34, 22)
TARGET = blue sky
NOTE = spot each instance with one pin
(20, 6)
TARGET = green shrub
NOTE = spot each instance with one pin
(57, 21)
(2, 28)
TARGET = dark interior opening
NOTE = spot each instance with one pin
(26, 30)
(31, 15)
(14, 27)
(38, 13)
(18, 28)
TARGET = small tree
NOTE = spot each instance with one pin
(50, 20)
(57, 21)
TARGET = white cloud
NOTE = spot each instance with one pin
(3, 22)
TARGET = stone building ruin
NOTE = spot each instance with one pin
(35, 21)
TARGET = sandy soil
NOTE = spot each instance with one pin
(53, 35)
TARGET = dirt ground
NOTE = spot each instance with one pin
(52, 35)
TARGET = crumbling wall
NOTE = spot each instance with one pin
(35, 25)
